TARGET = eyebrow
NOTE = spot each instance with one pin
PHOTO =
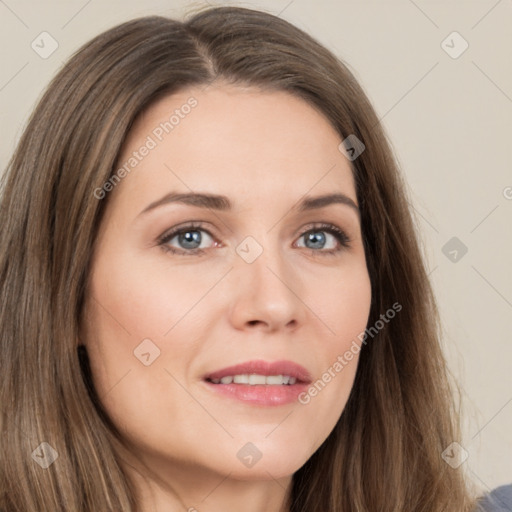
(222, 203)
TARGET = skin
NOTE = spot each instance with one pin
(264, 151)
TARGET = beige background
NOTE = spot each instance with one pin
(450, 123)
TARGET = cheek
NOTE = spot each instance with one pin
(140, 343)
(142, 298)
(143, 311)
(130, 310)
(341, 301)
(343, 307)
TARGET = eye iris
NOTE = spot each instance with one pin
(315, 237)
(190, 237)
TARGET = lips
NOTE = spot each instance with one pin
(260, 367)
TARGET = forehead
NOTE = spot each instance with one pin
(241, 142)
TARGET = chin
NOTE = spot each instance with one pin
(272, 465)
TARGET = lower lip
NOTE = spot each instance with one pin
(259, 394)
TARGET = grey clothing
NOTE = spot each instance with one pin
(498, 500)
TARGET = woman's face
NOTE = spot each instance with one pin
(259, 276)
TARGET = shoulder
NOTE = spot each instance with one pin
(499, 500)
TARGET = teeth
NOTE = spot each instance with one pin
(254, 379)
(257, 379)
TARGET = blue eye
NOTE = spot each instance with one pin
(317, 237)
(189, 239)
(189, 236)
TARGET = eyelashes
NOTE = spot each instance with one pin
(312, 230)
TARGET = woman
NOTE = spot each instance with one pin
(290, 364)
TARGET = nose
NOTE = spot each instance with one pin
(267, 294)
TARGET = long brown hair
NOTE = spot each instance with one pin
(383, 455)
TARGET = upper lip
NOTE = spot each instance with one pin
(266, 368)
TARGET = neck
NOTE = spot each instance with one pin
(161, 486)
